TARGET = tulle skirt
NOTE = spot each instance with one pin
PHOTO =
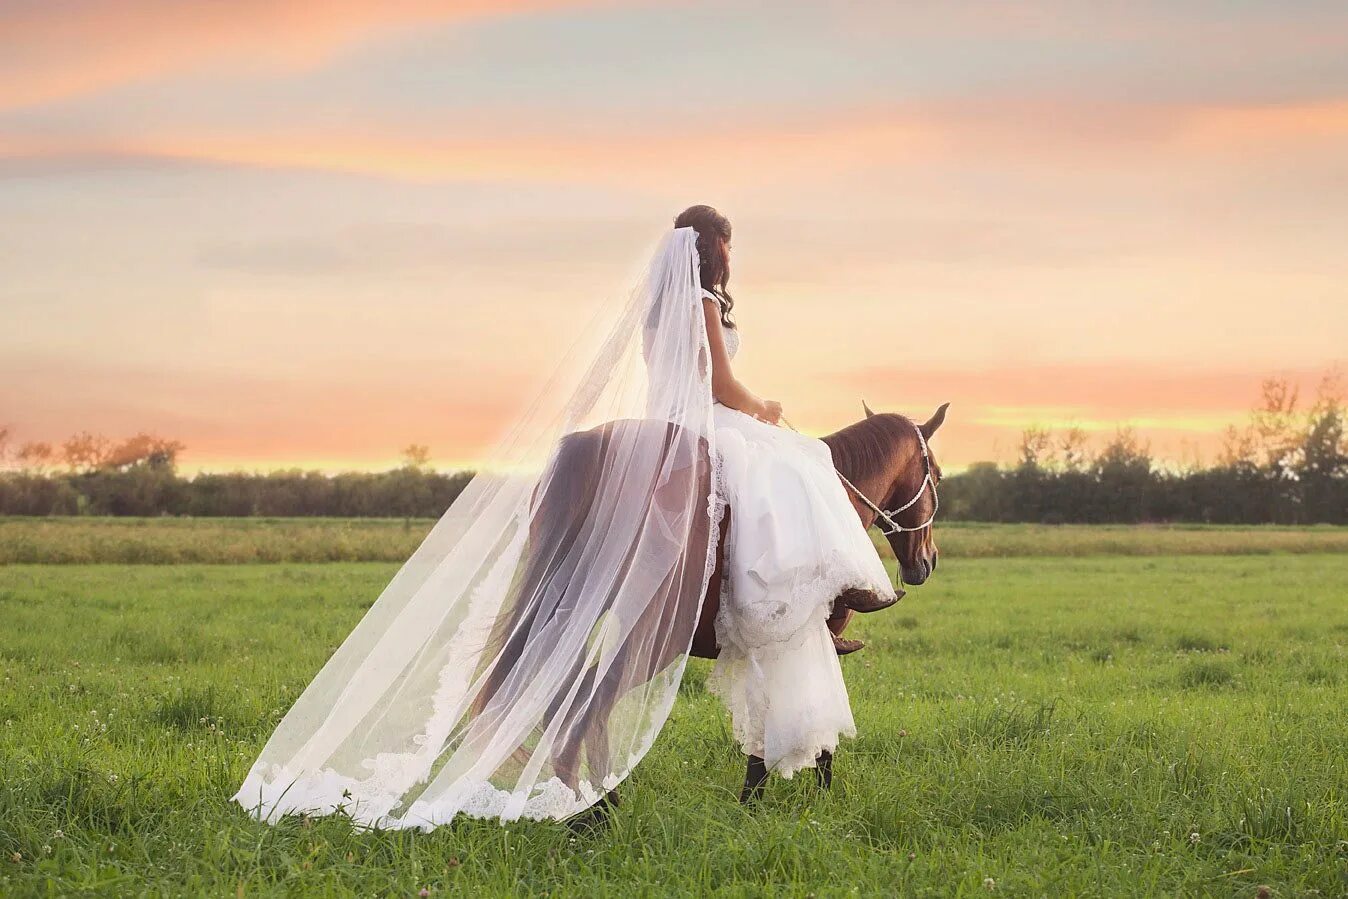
(795, 543)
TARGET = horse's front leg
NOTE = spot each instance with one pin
(755, 775)
(823, 769)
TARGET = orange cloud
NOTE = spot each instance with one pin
(61, 50)
(1112, 391)
(229, 419)
(734, 156)
(1234, 126)
(1182, 411)
(334, 420)
(735, 153)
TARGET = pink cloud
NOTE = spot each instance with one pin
(60, 50)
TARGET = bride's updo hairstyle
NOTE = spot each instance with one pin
(713, 238)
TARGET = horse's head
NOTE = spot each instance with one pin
(909, 497)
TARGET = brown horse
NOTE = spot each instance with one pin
(887, 463)
(882, 456)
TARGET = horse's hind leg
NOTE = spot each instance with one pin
(597, 758)
(823, 769)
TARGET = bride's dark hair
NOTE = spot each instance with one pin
(713, 236)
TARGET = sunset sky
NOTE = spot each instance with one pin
(297, 233)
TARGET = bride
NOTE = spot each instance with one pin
(794, 545)
(524, 659)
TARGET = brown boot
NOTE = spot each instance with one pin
(843, 645)
(866, 600)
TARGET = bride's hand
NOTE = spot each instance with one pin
(772, 412)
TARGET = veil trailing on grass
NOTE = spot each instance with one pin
(525, 657)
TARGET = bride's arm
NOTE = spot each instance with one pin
(725, 387)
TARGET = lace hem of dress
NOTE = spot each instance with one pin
(737, 661)
(807, 755)
(726, 682)
(836, 575)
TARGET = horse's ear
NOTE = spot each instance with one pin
(930, 425)
(869, 413)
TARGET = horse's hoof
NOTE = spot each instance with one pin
(867, 601)
(843, 646)
(594, 818)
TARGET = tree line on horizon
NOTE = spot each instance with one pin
(138, 476)
(1287, 465)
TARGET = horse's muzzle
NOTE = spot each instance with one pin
(917, 575)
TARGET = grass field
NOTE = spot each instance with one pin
(1029, 726)
(171, 541)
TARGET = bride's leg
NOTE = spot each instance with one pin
(866, 600)
(837, 621)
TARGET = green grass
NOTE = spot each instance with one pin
(1070, 726)
(172, 541)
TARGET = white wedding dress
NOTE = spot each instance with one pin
(795, 543)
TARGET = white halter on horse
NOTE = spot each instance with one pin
(887, 516)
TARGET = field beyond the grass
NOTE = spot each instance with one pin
(169, 541)
(1162, 724)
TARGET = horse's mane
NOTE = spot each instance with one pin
(863, 449)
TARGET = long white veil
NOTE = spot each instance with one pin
(524, 658)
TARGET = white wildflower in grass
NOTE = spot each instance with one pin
(1194, 838)
(989, 883)
(46, 850)
(58, 834)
